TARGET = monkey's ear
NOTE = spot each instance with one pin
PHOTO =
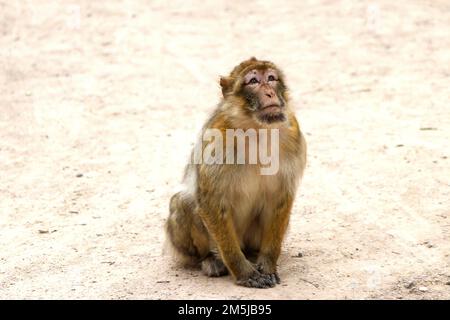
(253, 59)
(225, 83)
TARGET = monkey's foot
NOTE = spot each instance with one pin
(258, 280)
(214, 267)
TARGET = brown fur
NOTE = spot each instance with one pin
(227, 211)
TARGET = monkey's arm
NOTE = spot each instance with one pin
(274, 228)
(220, 226)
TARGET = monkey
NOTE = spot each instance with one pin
(230, 218)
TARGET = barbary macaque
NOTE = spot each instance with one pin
(231, 216)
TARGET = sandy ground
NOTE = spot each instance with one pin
(100, 104)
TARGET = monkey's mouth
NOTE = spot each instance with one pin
(272, 108)
(271, 113)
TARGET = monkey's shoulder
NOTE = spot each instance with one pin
(292, 140)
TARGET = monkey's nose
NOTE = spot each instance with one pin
(269, 95)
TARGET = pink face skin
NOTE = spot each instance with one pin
(263, 84)
(266, 76)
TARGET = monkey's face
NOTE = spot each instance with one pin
(263, 91)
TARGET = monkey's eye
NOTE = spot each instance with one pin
(253, 81)
(271, 78)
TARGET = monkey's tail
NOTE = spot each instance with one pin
(179, 230)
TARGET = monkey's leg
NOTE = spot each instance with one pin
(213, 266)
(274, 228)
(185, 230)
(221, 228)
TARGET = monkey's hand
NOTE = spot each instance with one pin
(257, 280)
(264, 269)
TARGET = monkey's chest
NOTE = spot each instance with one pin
(253, 195)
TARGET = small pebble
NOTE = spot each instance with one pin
(79, 175)
(423, 289)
